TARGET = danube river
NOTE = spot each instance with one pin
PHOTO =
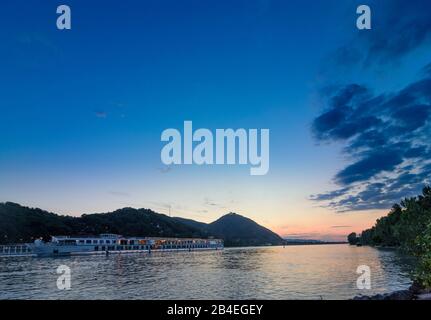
(293, 272)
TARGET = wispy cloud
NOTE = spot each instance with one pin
(101, 114)
(164, 170)
(211, 203)
(119, 193)
(315, 236)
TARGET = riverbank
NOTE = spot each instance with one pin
(414, 292)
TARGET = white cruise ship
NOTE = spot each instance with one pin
(112, 243)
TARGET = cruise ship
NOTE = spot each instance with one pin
(113, 243)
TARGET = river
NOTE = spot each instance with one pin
(293, 272)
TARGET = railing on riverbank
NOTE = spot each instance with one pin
(15, 250)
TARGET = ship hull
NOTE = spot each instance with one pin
(59, 251)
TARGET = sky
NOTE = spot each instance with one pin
(348, 110)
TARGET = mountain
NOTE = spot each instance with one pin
(237, 230)
(23, 224)
(192, 223)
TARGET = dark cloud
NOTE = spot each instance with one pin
(385, 136)
(347, 55)
(398, 28)
(371, 165)
(387, 139)
(427, 69)
(330, 195)
(371, 138)
(417, 152)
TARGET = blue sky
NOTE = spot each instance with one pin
(82, 110)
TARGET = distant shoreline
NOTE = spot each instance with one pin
(313, 243)
(289, 245)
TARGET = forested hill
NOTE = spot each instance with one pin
(22, 224)
(237, 230)
(240, 231)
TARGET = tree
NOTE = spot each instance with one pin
(423, 272)
(407, 226)
(352, 238)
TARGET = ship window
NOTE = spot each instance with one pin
(88, 242)
(81, 241)
(94, 241)
(108, 241)
(100, 241)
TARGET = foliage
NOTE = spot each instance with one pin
(423, 247)
(353, 238)
(407, 226)
(20, 224)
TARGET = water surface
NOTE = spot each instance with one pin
(293, 272)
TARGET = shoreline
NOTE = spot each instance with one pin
(414, 292)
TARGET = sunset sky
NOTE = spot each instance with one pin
(348, 110)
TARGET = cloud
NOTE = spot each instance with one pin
(315, 236)
(398, 28)
(384, 135)
(211, 203)
(384, 159)
(330, 195)
(386, 139)
(340, 227)
(427, 69)
(101, 114)
(164, 170)
(119, 193)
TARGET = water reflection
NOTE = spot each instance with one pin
(294, 272)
